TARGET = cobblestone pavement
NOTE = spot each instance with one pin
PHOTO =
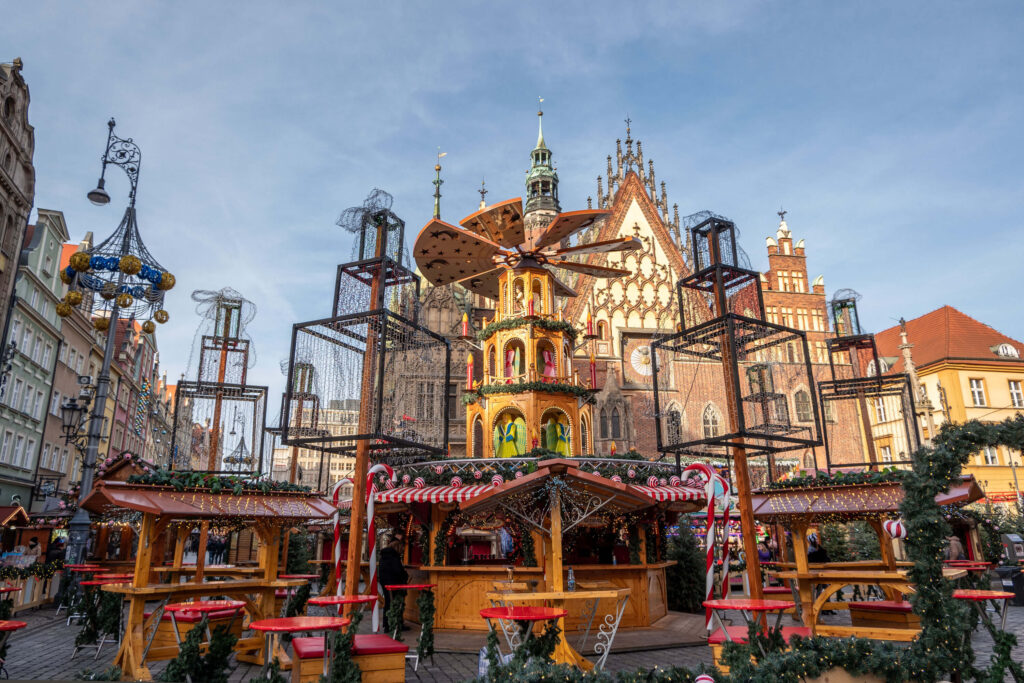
(43, 652)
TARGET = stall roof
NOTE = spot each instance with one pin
(13, 514)
(850, 500)
(168, 502)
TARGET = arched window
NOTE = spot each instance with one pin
(803, 406)
(604, 423)
(710, 422)
(491, 369)
(674, 426)
(602, 330)
(478, 438)
(584, 438)
(616, 425)
(809, 461)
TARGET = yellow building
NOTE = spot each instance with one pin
(968, 371)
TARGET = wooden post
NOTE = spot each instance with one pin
(144, 557)
(357, 516)
(204, 533)
(557, 581)
(181, 537)
(887, 555)
(804, 586)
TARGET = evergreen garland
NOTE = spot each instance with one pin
(274, 674)
(88, 607)
(425, 605)
(840, 478)
(300, 552)
(209, 668)
(342, 668)
(394, 618)
(424, 543)
(524, 387)
(38, 571)
(441, 539)
(215, 483)
(685, 592)
(542, 323)
(111, 674)
(296, 606)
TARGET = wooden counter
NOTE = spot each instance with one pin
(462, 592)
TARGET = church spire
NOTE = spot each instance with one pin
(437, 184)
(541, 179)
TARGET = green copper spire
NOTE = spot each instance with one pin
(541, 179)
(437, 185)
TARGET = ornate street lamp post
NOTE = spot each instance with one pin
(130, 284)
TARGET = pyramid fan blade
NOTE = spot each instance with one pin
(485, 284)
(608, 246)
(588, 269)
(561, 289)
(445, 253)
(501, 223)
(566, 224)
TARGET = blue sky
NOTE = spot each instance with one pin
(890, 131)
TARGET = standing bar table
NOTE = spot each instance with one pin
(296, 625)
(411, 587)
(202, 607)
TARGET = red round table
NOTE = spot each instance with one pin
(6, 629)
(978, 597)
(524, 616)
(747, 607)
(81, 566)
(115, 576)
(9, 589)
(82, 569)
(296, 625)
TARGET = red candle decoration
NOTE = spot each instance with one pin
(590, 325)
(465, 325)
(613, 448)
(469, 372)
(593, 372)
(529, 307)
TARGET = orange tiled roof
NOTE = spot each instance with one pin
(66, 251)
(944, 334)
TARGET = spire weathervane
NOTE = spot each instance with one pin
(483, 194)
(781, 213)
(628, 134)
(437, 184)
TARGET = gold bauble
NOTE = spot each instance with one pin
(166, 281)
(109, 291)
(148, 327)
(130, 264)
(101, 324)
(64, 309)
(162, 316)
(80, 261)
(73, 297)
(64, 276)
(125, 300)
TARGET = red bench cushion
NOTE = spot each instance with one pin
(364, 644)
(194, 617)
(883, 606)
(281, 593)
(376, 644)
(776, 590)
(739, 634)
(308, 647)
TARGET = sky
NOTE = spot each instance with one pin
(890, 132)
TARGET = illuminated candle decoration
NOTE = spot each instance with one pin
(465, 325)
(469, 372)
(590, 324)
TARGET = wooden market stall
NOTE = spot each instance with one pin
(801, 508)
(162, 509)
(554, 517)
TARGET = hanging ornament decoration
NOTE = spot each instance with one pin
(631, 473)
(617, 479)
(130, 264)
(519, 475)
(406, 479)
(438, 469)
(497, 480)
(389, 483)
(101, 324)
(79, 261)
(704, 678)
(652, 481)
(125, 300)
(419, 482)
(65, 276)
(895, 528)
(109, 291)
(161, 316)
(149, 327)
(675, 481)
(663, 481)
(166, 282)
(456, 482)
(64, 309)
(73, 297)
(477, 474)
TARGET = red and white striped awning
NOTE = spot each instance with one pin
(670, 493)
(431, 494)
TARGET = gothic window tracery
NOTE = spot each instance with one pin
(604, 423)
(711, 421)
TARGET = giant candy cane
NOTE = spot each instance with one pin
(709, 491)
(371, 535)
(726, 505)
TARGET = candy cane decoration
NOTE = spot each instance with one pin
(709, 542)
(371, 535)
(726, 505)
(335, 492)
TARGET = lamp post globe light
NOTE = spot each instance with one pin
(130, 284)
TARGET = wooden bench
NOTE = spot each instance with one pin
(381, 658)
(166, 647)
(884, 613)
(738, 634)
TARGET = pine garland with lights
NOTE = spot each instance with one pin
(43, 572)
(524, 387)
(300, 551)
(514, 323)
(425, 605)
(236, 485)
(394, 618)
(840, 478)
(209, 668)
(341, 667)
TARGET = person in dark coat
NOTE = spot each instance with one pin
(391, 572)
